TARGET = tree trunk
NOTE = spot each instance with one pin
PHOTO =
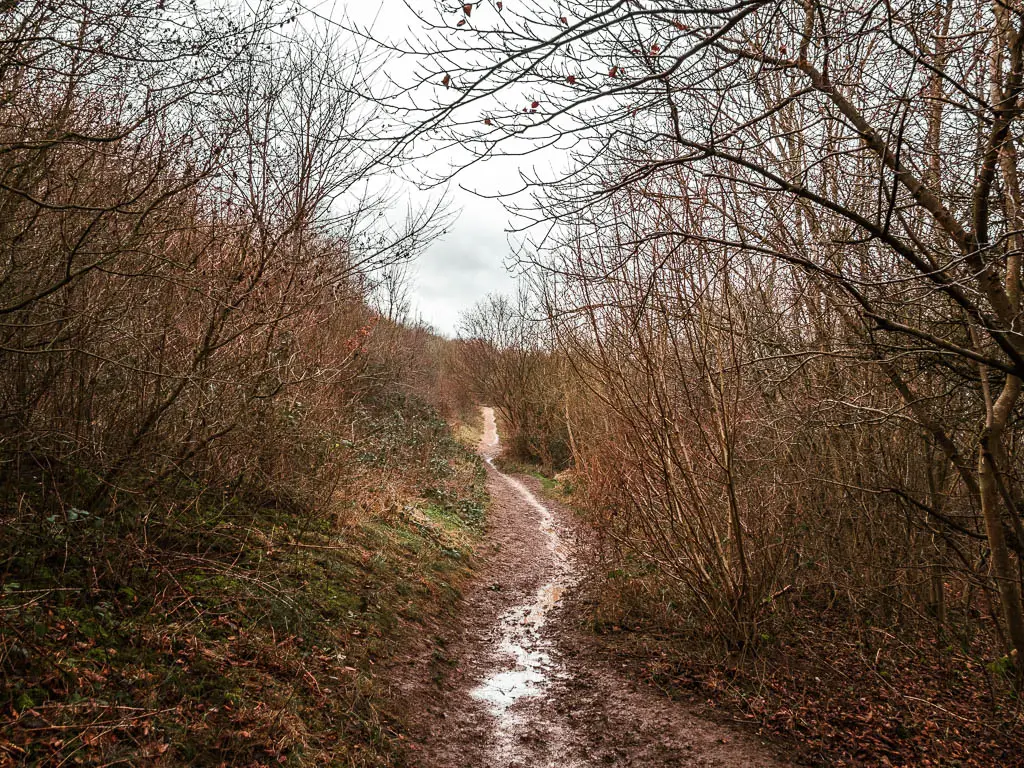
(991, 510)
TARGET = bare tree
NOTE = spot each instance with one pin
(505, 359)
(872, 150)
(189, 218)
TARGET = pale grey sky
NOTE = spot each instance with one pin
(465, 264)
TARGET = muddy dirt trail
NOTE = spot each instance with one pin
(521, 687)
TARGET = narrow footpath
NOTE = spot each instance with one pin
(521, 687)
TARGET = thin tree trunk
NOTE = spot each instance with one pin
(991, 509)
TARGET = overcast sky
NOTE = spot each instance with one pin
(465, 264)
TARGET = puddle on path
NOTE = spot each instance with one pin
(526, 667)
(533, 706)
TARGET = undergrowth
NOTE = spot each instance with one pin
(832, 686)
(212, 627)
(835, 686)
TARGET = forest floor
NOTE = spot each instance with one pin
(518, 682)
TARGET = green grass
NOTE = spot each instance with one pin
(223, 631)
(273, 656)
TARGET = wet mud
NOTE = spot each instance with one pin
(518, 684)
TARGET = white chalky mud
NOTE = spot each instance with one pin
(526, 668)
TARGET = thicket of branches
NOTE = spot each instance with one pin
(501, 360)
(214, 407)
(786, 274)
(192, 241)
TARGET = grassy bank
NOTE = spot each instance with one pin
(222, 628)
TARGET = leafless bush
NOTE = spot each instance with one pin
(505, 359)
(189, 227)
